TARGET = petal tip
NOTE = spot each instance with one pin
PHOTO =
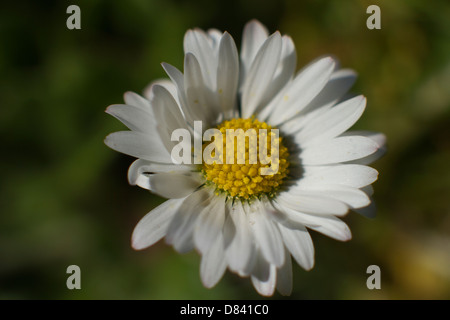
(135, 243)
(107, 140)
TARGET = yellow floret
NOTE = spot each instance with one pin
(245, 181)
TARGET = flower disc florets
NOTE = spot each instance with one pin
(253, 160)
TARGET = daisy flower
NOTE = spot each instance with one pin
(233, 214)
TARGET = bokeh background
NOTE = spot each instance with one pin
(64, 197)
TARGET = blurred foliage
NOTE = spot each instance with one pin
(64, 197)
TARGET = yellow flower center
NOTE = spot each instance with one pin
(246, 163)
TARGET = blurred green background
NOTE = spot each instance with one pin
(64, 197)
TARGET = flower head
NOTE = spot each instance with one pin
(276, 158)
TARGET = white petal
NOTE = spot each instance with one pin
(209, 224)
(353, 197)
(213, 263)
(286, 67)
(340, 149)
(139, 145)
(227, 73)
(339, 83)
(214, 35)
(265, 110)
(298, 242)
(332, 123)
(177, 78)
(311, 202)
(166, 108)
(180, 230)
(153, 226)
(334, 228)
(253, 37)
(352, 175)
(169, 115)
(167, 84)
(260, 74)
(284, 276)
(267, 236)
(303, 89)
(337, 86)
(379, 138)
(141, 167)
(280, 216)
(328, 225)
(284, 72)
(229, 229)
(135, 100)
(266, 287)
(198, 95)
(371, 158)
(171, 185)
(240, 250)
(261, 268)
(198, 43)
(134, 118)
(292, 126)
